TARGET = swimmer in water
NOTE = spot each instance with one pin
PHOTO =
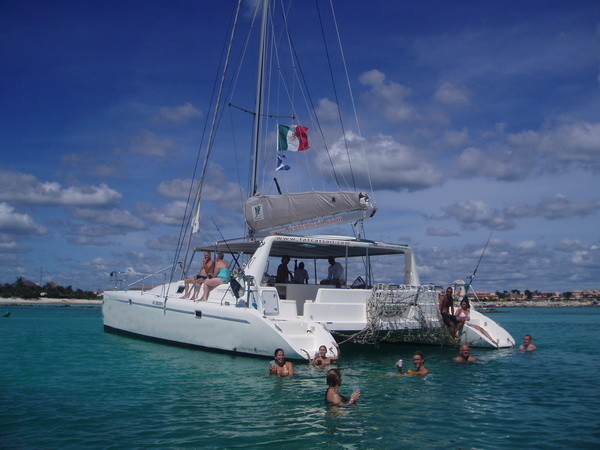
(419, 361)
(280, 367)
(527, 344)
(321, 358)
(465, 355)
(333, 396)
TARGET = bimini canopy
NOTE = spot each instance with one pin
(309, 247)
(288, 213)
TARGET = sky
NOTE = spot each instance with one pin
(476, 121)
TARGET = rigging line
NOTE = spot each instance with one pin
(337, 99)
(472, 277)
(237, 264)
(217, 111)
(237, 166)
(311, 103)
(351, 93)
(185, 221)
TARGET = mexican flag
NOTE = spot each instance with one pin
(292, 138)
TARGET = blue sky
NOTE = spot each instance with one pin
(474, 116)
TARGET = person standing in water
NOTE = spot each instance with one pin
(333, 396)
(419, 362)
(465, 355)
(280, 366)
(321, 358)
(527, 344)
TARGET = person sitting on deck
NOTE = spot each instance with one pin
(283, 273)
(335, 273)
(300, 274)
(206, 271)
(223, 276)
(447, 311)
(463, 314)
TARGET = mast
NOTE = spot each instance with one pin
(259, 99)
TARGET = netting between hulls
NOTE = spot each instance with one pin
(407, 314)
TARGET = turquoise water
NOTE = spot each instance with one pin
(66, 383)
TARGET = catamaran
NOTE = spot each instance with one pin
(379, 299)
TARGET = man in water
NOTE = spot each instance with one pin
(465, 355)
(447, 311)
(527, 344)
(419, 361)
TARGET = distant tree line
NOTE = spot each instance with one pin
(28, 290)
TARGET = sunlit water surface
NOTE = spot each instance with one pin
(66, 383)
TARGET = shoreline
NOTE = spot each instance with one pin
(57, 302)
(53, 302)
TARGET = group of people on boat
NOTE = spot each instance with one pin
(335, 273)
(210, 276)
(455, 320)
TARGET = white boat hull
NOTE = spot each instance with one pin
(215, 324)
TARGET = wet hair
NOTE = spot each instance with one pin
(528, 335)
(417, 353)
(334, 377)
(277, 351)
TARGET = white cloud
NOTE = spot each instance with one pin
(23, 188)
(451, 93)
(552, 208)
(117, 218)
(391, 165)
(440, 232)
(456, 138)
(179, 114)
(148, 143)
(474, 212)
(12, 222)
(170, 214)
(327, 110)
(387, 97)
(216, 188)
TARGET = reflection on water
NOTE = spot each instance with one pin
(69, 384)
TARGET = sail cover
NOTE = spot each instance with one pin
(288, 213)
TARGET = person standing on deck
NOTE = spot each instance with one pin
(300, 274)
(283, 273)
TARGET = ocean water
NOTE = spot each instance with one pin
(65, 383)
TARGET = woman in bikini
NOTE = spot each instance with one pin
(463, 315)
(223, 276)
(280, 366)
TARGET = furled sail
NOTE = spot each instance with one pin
(294, 212)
